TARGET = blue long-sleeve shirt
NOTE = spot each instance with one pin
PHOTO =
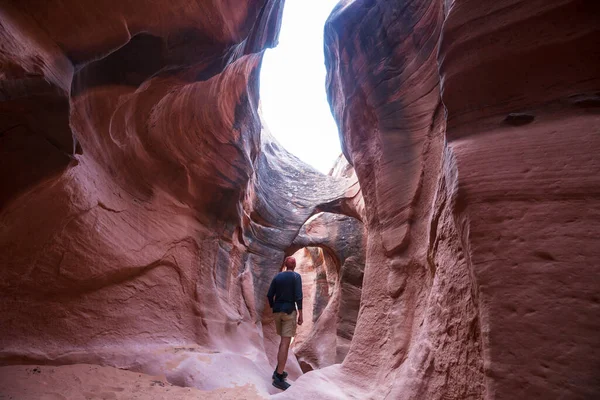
(285, 292)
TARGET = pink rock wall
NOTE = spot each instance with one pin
(522, 97)
(144, 210)
(473, 130)
(137, 215)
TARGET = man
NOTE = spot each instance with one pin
(285, 293)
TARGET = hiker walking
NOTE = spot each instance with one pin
(285, 293)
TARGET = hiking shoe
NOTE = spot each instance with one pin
(280, 384)
(285, 374)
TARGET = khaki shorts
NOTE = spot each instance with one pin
(286, 323)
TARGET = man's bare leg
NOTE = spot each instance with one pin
(282, 354)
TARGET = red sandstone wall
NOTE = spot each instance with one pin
(143, 213)
(522, 97)
(143, 209)
(132, 223)
(473, 129)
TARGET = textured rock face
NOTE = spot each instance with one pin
(473, 129)
(140, 204)
(144, 212)
(524, 124)
(332, 274)
(335, 274)
(417, 306)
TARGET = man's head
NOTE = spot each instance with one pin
(289, 263)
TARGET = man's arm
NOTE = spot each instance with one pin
(298, 297)
(271, 293)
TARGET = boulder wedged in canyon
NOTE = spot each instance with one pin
(144, 211)
(473, 130)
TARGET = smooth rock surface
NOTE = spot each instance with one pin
(144, 208)
(473, 129)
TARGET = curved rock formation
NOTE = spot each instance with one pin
(285, 195)
(473, 129)
(337, 266)
(144, 210)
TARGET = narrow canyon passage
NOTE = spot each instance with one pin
(145, 206)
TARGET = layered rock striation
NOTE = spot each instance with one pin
(473, 130)
(144, 207)
(522, 94)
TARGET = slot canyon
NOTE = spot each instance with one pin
(145, 206)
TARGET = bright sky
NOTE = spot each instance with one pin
(292, 86)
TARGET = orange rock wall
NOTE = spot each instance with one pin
(333, 280)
